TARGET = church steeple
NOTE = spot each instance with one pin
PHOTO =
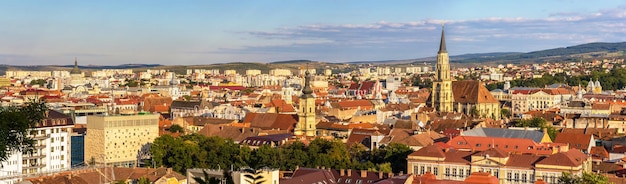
(75, 70)
(306, 122)
(442, 97)
(442, 44)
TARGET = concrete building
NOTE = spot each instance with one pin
(118, 139)
(51, 150)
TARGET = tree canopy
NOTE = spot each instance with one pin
(16, 123)
(197, 151)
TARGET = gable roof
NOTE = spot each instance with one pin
(309, 175)
(571, 158)
(429, 151)
(271, 120)
(471, 91)
(534, 135)
(575, 140)
(515, 145)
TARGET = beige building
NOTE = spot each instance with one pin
(117, 139)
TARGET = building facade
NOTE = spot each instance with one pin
(51, 150)
(118, 139)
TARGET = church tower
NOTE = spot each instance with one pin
(77, 78)
(306, 121)
(442, 85)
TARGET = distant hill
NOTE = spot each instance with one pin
(124, 66)
(572, 53)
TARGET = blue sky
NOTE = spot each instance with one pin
(206, 32)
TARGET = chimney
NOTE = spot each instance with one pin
(349, 172)
(363, 173)
(390, 174)
(323, 167)
(380, 175)
(243, 130)
(342, 172)
(169, 170)
(401, 173)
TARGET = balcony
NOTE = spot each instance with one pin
(33, 156)
(41, 137)
(41, 146)
(34, 166)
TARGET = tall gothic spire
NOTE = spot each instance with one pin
(442, 44)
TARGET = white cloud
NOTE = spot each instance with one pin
(394, 40)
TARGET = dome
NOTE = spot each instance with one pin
(75, 70)
(307, 91)
(590, 85)
(597, 84)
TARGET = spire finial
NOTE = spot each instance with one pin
(442, 44)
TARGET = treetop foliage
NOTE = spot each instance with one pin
(197, 151)
(16, 123)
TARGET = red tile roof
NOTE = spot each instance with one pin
(514, 145)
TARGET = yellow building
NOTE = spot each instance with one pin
(5, 82)
(306, 123)
(117, 139)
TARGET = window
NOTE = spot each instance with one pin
(447, 172)
(51, 149)
(421, 170)
(435, 171)
(62, 139)
(516, 177)
(524, 177)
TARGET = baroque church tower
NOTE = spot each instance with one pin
(306, 121)
(442, 99)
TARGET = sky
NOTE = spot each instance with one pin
(211, 31)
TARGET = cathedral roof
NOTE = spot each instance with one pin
(471, 91)
(75, 70)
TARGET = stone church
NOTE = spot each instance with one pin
(467, 96)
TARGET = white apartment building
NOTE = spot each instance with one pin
(280, 72)
(253, 72)
(51, 150)
(32, 74)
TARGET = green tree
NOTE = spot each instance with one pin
(206, 179)
(585, 178)
(143, 180)
(176, 128)
(39, 82)
(16, 124)
(385, 167)
(474, 112)
(594, 178)
(265, 156)
(505, 113)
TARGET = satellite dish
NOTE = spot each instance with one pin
(421, 124)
